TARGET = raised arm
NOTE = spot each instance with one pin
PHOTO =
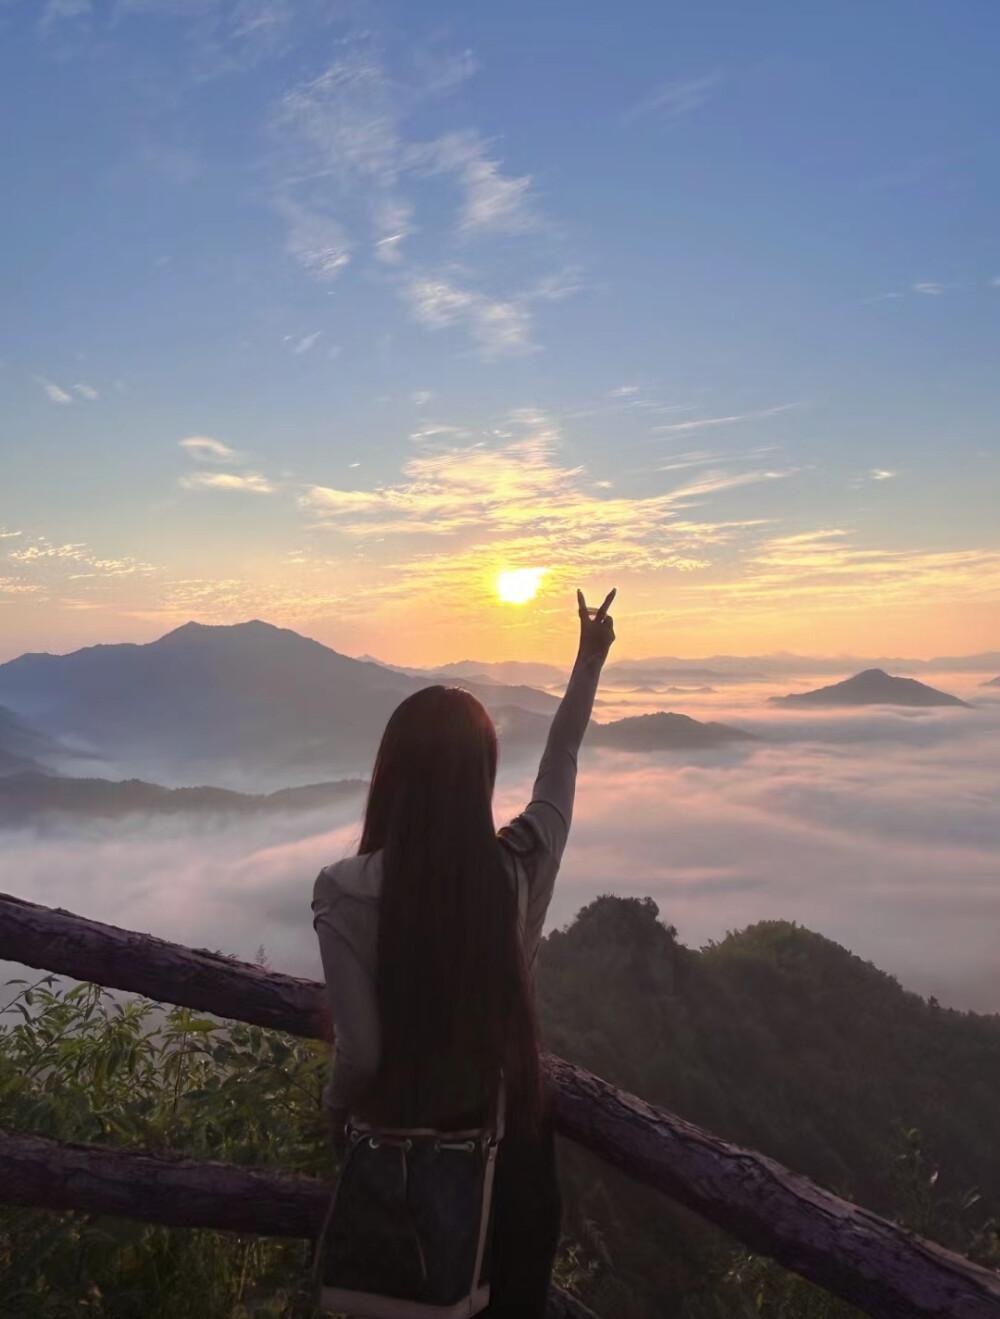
(555, 784)
(539, 833)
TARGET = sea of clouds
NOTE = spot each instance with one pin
(878, 828)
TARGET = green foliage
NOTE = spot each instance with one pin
(774, 1037)
(779, 1040)
(83, 1065)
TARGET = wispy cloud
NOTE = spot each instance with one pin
(87, 392)
(207, 450)
(392, 224)
(672, 101)
(315, 240)
(54, 392)
(491, 200)
(677, 427)
(501, 327)
(300, 346)
(922, 288)
(832, 572)
(434, 430)
(43, 549)
(514, 504)
(251, 482)
(14, 586)
(55, 12)
(351, 177)
(221, 37)
(874, 474)
(440, 72)
(70, 572)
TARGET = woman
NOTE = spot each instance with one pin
(428, 938)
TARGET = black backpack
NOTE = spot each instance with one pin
(407, 1233)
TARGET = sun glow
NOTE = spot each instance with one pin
(517, 586)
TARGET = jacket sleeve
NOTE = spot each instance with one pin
(537, 837)
(351, 996)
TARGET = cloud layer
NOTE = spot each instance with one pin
(885, 840)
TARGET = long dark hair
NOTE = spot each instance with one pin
(454, 994)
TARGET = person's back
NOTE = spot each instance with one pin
(428, 937)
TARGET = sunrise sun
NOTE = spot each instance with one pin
(516, 586)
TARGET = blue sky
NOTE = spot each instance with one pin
(327, 313)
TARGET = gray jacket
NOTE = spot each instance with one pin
(346, 894)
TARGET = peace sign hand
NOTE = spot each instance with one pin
(597, 632)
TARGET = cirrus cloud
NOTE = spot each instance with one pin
(251, 482)
(207, 450)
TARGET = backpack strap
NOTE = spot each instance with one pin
(501, 1111)
(488, 1177)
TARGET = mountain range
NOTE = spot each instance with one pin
(516, 672)
(22, 748)
(249, 705)
(785, 664)
(872, 687)
(27, 793)
(251, 702)
(28, 796)
(659, 671)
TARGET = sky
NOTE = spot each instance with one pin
(329, 313)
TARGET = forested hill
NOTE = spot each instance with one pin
(780, 1040)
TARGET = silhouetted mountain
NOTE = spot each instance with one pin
(519, 729)
(522, 731)
(24, 797)
(780, 1040)
(649, 674)
(20, 745)
(515, 672)
(663, 732)
(991, 682)
(873, 687)
(784, 664)
(251, 699)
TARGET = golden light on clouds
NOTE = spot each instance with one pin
(703, 564)
(516, 586)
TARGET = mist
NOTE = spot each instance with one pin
(878, 829)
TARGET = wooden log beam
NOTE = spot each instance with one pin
(874, 1264)
(884, 1270)
(158, 1188)
(52, 939)
(177, 1192)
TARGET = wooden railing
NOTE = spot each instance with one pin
(879, 1267)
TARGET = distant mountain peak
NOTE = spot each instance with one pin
(253, 627)
(223, 701)
(872, 687)
(664, 730)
